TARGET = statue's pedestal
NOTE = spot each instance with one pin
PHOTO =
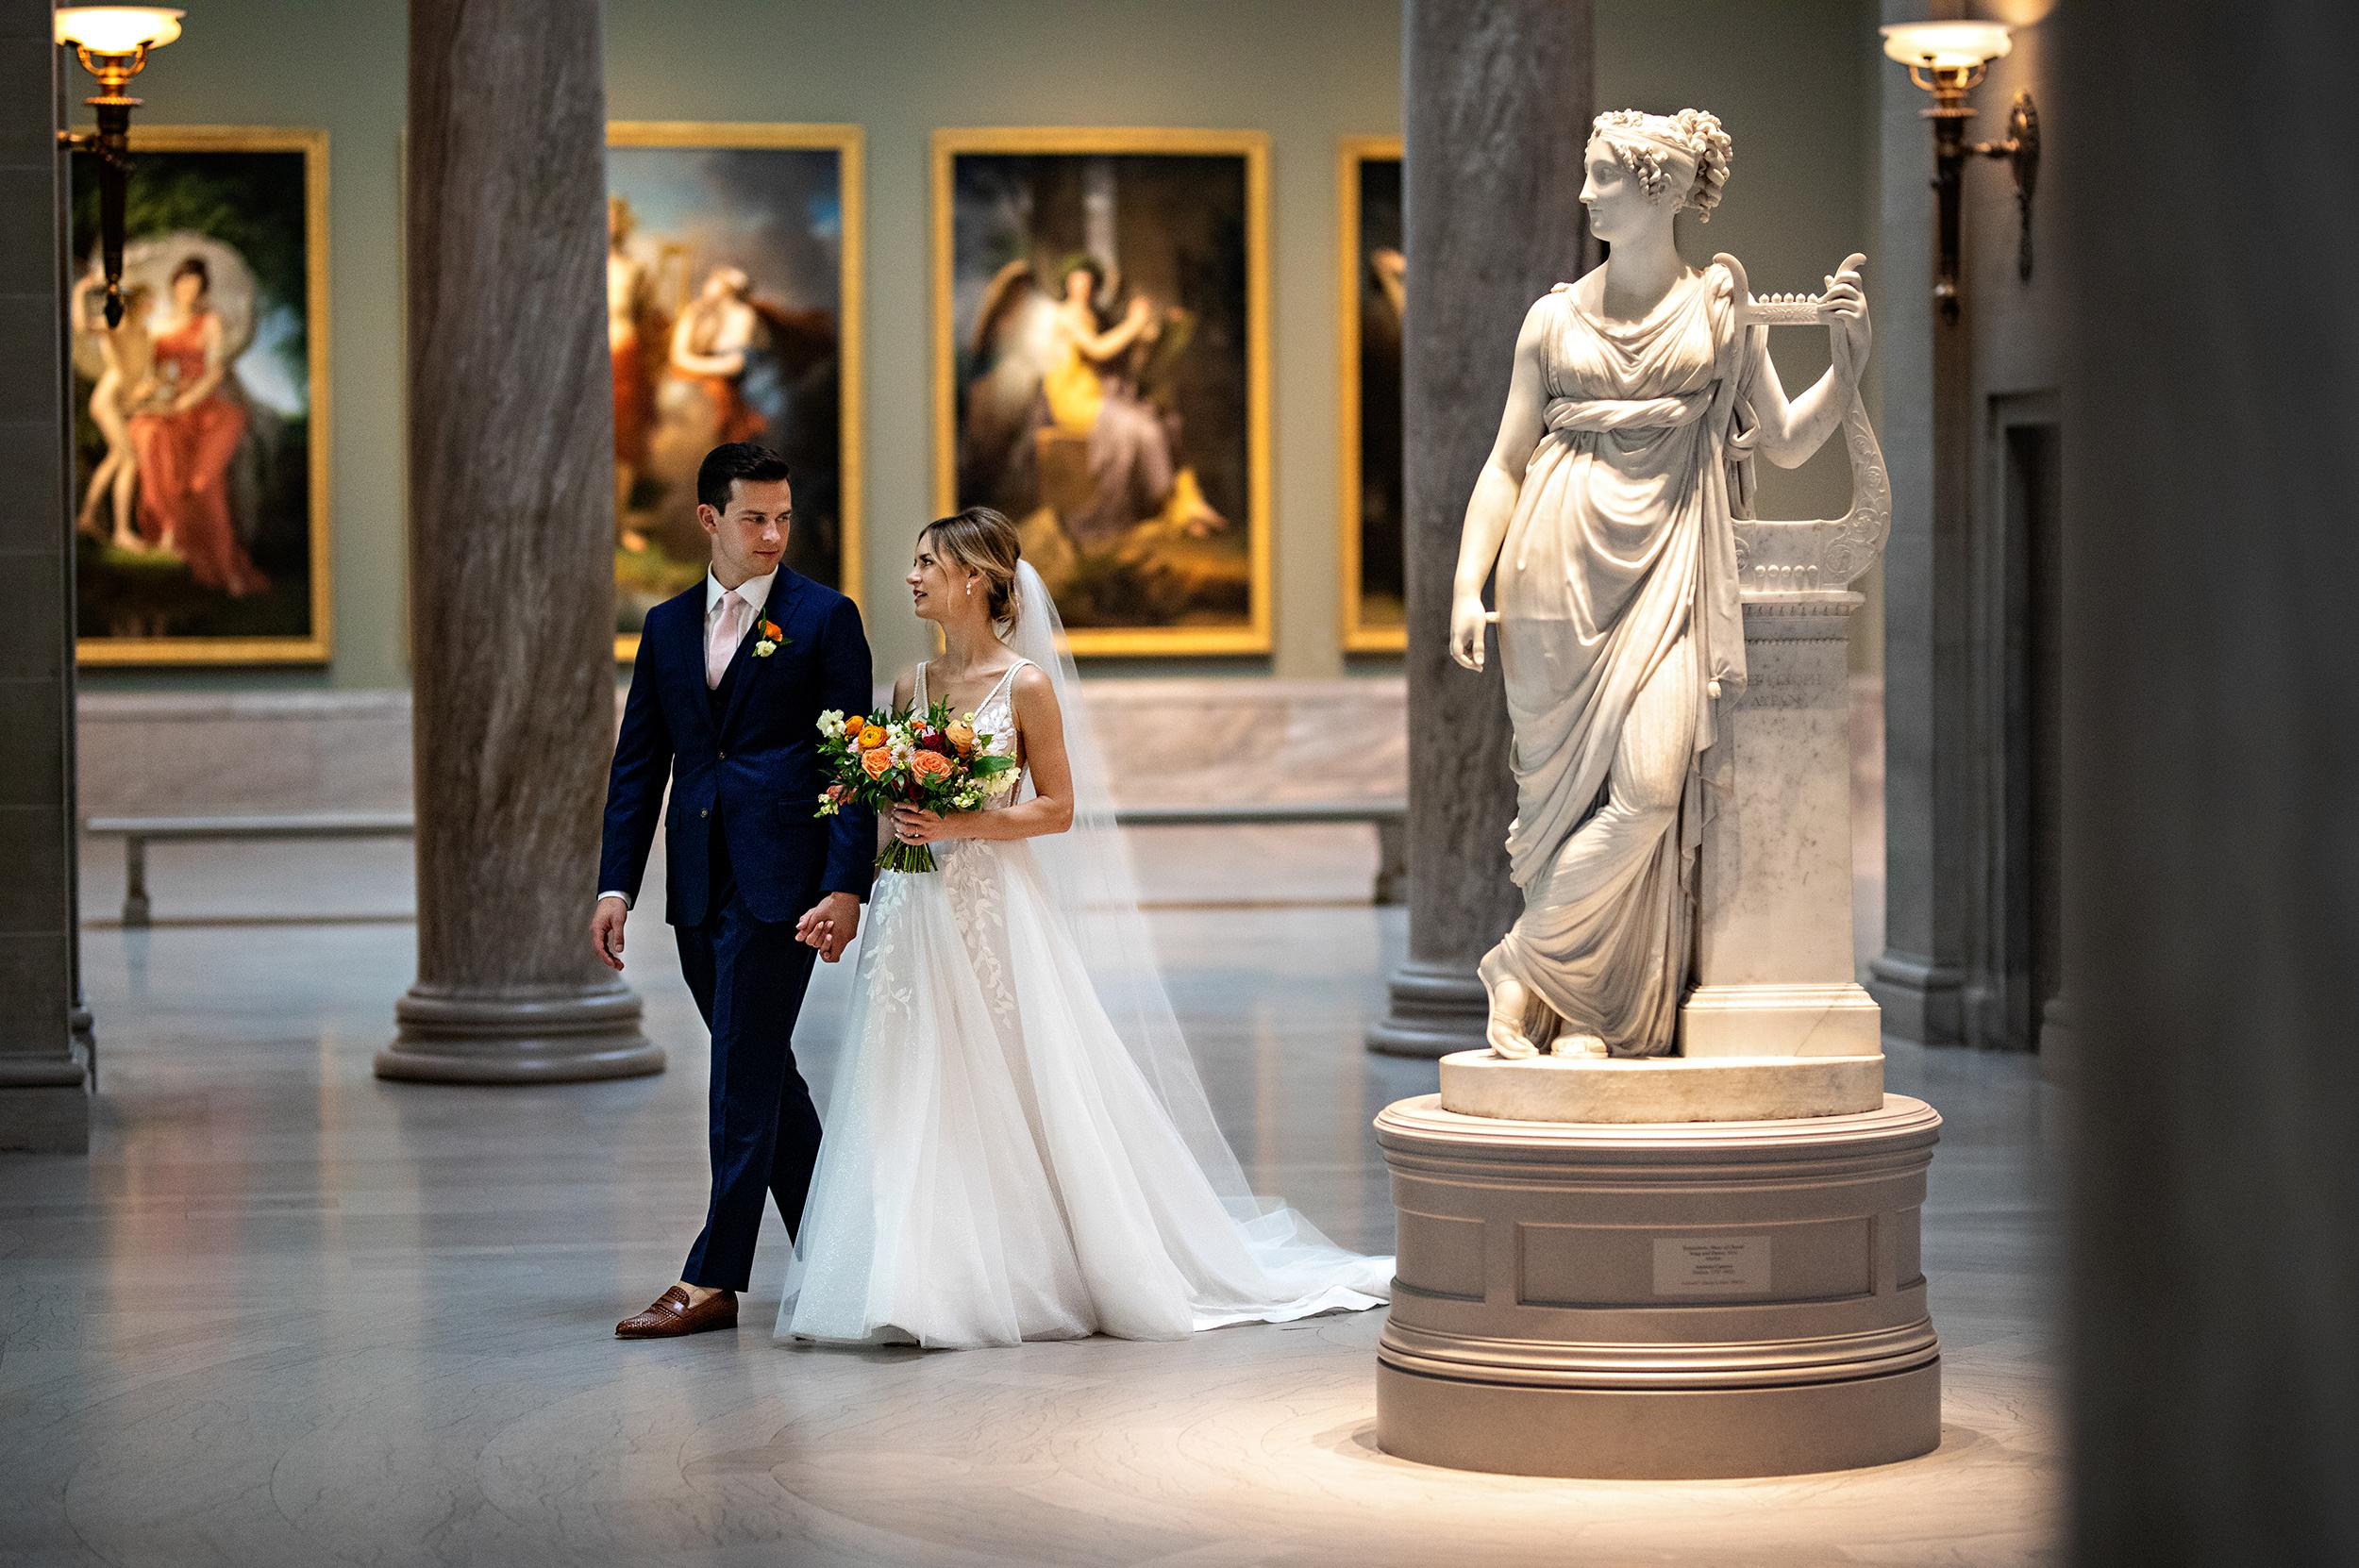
(1665, 1089)
(1671, 1300)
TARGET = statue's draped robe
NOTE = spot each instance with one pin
(1617, 598)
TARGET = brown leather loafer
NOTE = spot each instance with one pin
(671, 1314)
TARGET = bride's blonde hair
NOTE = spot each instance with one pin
(982, 541)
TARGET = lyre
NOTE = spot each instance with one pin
(1777, 555)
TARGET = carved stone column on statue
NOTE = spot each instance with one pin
(510, 535)
(1497, 109)
(1775, 974)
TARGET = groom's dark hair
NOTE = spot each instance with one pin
(731, 461)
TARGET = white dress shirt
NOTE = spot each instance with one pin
(756, 593)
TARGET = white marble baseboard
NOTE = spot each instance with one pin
(1179, 742)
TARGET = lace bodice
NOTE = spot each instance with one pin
(995, 716)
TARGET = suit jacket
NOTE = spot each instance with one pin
(743, 760)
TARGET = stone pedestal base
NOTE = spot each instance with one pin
(1750, 1019)
(1670, 1301)
(568, 1038)
(1660, 1088)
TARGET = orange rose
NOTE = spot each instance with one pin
(962, 735)
(877, 763)
(870, 737)
(930, 766)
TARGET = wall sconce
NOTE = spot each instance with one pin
(112, 43)
(1949, 59)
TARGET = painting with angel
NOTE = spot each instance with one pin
(1101, 350)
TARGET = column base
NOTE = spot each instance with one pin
(45, 1106)
(568, 1037)
(1839, 1020)
(1922, 1001)
(1435, 1009)
(1667, 1302)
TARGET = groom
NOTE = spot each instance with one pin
(731, 678)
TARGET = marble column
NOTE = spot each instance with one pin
(510, 537)
(2210, 465)
(1496, 103)
(44, 1098)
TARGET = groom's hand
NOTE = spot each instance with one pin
(606, 931)
(829, 925)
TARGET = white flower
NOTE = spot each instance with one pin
(1000, 783)
(966, 800)
(832, 725)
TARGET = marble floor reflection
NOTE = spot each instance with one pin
(287, 1315)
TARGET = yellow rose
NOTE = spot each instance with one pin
(870, 737)
(960, 734)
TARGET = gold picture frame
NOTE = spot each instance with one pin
(314, 646)
(848, 142)
(1253, 635)
(1361, 635)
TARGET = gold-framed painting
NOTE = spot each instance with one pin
(1101, 372)
(1371, 280)
(733, 314)
(201, 419)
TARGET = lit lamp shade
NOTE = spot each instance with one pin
(1947, 46)
(118, 29)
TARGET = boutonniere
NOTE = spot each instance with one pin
(772, 636)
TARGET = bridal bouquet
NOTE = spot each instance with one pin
(928, 759)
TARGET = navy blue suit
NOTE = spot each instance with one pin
(748, 855)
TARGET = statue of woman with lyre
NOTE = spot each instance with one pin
(1613, 504)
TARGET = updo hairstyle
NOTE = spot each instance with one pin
(982, 540)
(1656, 150)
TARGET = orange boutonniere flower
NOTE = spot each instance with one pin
(772, 636)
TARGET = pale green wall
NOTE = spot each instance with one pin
(1792, 81)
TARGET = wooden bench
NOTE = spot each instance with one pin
(137, 833)
(1389, 818)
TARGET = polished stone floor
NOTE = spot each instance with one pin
(288, 1314)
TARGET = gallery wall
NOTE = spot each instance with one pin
(1794, 83)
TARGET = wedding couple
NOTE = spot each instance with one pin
(1018, 1147)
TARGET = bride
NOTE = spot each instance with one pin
(1018, 1147)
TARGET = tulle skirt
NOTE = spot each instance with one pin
(997, 1168)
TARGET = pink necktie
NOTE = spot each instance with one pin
(729, 629)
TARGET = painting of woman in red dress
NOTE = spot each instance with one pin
(185, 445)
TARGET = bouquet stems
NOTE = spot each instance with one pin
(906, 857)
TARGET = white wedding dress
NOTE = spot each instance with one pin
(1017, 1146)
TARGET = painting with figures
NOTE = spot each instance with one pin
(1369, 502)
(732, 314)
(201, 418)
(1101, 372)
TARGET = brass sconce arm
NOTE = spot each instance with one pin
(1949, 59)
(112, 43)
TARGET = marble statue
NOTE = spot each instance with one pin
(1613, 505)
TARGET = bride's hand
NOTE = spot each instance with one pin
(915, 824)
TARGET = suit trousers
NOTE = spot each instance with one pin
(748, 977)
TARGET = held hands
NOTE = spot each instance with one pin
(1844, 308)
(829, 925)
(1467, 619)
